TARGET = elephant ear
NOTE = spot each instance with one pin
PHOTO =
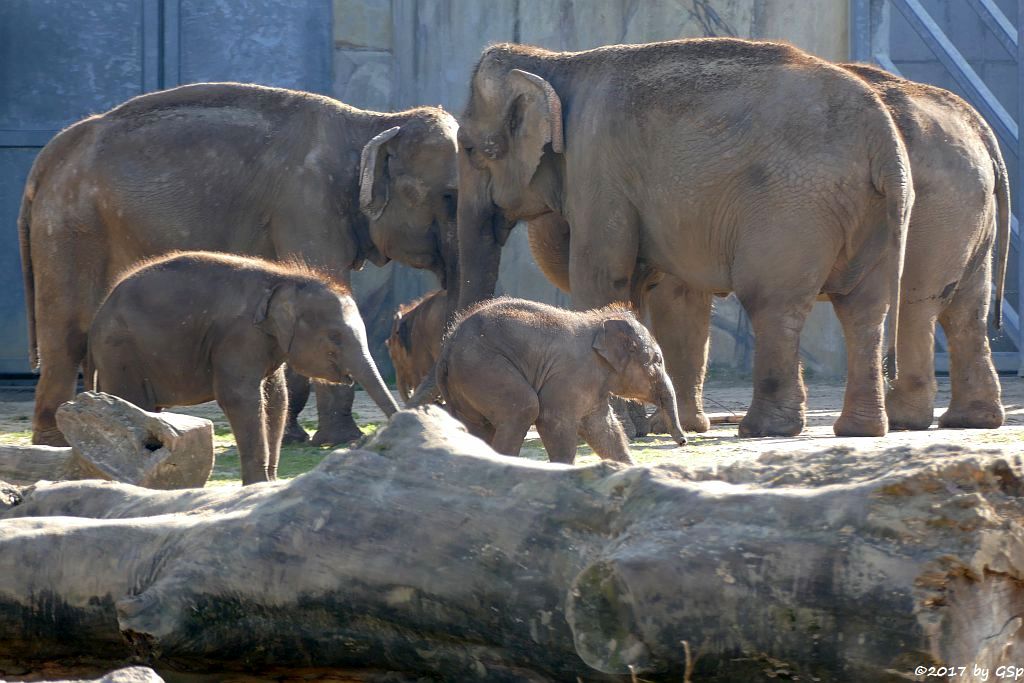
(615, 342)
(534, 118)
(276, 314)
(373, 185)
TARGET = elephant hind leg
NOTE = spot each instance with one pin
(910, 402)
(58, 377)
(977, 398)
(862, 314)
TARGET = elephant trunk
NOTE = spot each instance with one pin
(478, 244)
(364, 371)
(452, 273)
(665, 398)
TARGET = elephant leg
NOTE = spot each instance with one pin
(243, 405)
(910, 402)
(976, 402)
(862, 315)
(559, 435)
(681, 323)
(780, 400)
(335, 424)
(298, 395)
(512, 414)
(602, 258)
(603, 432)
(275, 401)
(61, 355)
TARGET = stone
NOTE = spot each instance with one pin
(116, 440)
(426, 553)
(130, 674)
(24, 465)
(10, 495)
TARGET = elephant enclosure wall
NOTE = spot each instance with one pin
(393, 54)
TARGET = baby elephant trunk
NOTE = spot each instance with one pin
(364, 371)
(665, 398)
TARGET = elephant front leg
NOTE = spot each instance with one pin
(780, 400)
(681, 323)
(298, 395)
(335, 423)
(602, 251)
(603, 432)
(242, 403)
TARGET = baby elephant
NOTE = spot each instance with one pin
(415, 340)
(194, 326)
(509, 363)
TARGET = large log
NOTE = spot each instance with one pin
(424, 552)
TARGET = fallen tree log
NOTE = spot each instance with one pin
(424, 552)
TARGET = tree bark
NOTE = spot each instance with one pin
(423, 552)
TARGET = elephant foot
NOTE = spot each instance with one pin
(294, 433)
(49, 437)
(906, 413)
(758, 423)
(856, 425)
(977, 415)
(692, 422)
(336, 434)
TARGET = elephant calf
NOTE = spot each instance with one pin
(508, 364)
(193, 326)
(415, 341)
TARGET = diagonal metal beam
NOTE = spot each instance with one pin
(1003, 29)
(979, 94)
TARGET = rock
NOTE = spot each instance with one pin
(426, 553)
(26, 465)
(113, 439)
(10, 495)
(131, 674)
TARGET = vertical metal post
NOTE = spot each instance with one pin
(860, 30)
(1019, 184)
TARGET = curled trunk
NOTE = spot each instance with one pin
(364, 371)
(665, 399)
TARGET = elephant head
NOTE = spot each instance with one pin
(637, 368)
(408, 192)
(510, 134)
(322, 335)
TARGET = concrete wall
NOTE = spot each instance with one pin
(393, 54)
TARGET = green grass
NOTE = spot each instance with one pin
(295, 459)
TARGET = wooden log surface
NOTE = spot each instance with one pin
(423, 552)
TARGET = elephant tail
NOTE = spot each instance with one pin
(428, 391)
(891, 177)
(1003, 218)
(27, 270)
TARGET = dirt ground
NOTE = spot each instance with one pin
(718, 445)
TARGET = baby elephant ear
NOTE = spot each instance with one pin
(275, 314)
(614, 342)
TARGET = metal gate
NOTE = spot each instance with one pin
(974, 48)
(61, 60)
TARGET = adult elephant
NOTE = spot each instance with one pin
(226, 167)
(961, 211)
(729, 164)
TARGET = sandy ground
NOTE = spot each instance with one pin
(720, 444)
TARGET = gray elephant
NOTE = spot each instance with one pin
(731, 165)
(151, 344)
(508, 364)
(234, 168)
(961, 210)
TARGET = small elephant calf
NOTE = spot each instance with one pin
(194, 326)
(415, 341)
(508, 364)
